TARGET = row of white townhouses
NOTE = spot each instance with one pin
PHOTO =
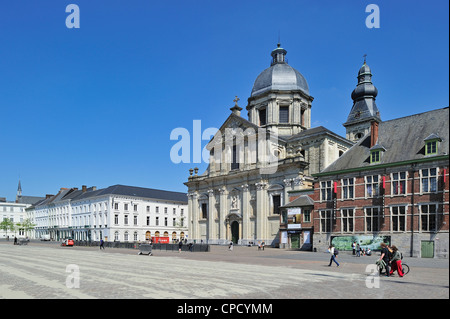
(116, 213)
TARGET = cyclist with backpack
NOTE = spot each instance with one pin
(334, 252)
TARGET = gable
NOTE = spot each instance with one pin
(235, 124)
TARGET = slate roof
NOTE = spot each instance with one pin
(74, 194)
(303, 200)
(142, 192)
(403, 140)
(29, 199)
(280, 76)
(316, 131)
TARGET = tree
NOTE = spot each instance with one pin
(6, 225)
(26, 225)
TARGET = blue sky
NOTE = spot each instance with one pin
(96, 105)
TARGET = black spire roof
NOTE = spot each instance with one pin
(363, 96)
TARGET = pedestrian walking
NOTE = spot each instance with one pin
(358, 250)
(396, 262)
(230, 246)
(334, 252)
(385, 256)
(263, 244)
(180, 245)
(354, 248)
(102, 244)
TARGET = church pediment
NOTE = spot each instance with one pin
(233, 125)
(236, 122)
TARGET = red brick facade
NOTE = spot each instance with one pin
(421, 205)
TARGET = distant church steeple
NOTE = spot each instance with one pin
(364, 110)
(19, 191)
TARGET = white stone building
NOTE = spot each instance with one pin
(15, 212)
(117, 213)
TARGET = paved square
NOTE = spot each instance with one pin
(46, 271)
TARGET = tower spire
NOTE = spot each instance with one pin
(19, 191)
(364, 110)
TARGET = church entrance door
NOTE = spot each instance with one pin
(235, 232)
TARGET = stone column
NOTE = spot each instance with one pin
(190, 216)
(222, 213)
(261, 210)
(245, 213)
(194, 235)
(212, 234)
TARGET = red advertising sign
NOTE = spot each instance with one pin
(160, 240)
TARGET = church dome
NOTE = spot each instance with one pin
(280, 76)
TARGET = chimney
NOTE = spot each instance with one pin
(48, 196)
(373, 133)
(83, 188)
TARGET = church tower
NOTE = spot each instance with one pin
(280, 99)
(364, 110)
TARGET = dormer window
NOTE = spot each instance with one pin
(431, 148)
(376, 153)
(431, 144)
(375, 156)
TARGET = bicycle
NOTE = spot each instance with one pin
(405, 269)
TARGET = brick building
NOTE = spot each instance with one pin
(391, 186)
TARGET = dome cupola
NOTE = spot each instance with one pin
(279, 76)
(280, 100)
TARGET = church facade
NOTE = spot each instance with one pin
(256, 163)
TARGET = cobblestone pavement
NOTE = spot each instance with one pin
(49, 271)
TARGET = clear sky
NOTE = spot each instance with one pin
(96, 105)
